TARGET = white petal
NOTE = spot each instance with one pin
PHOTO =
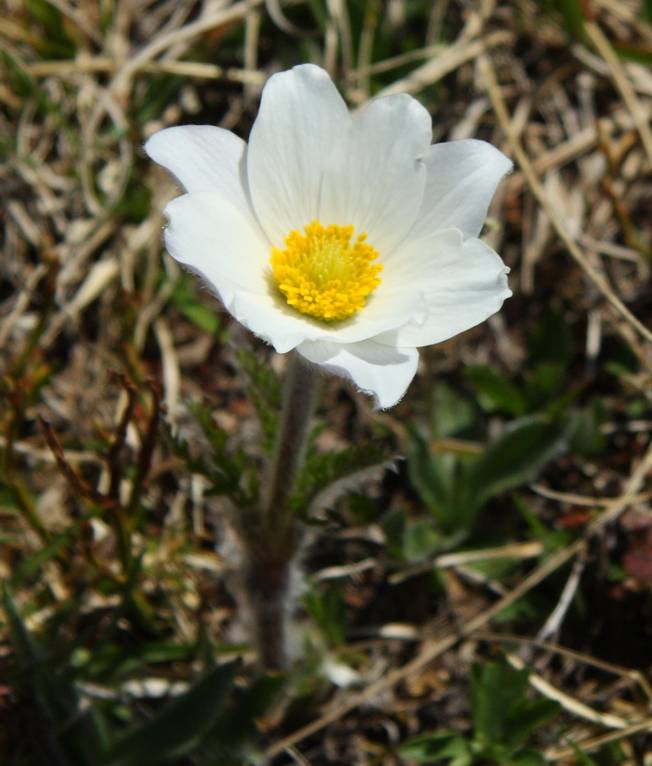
(461, 180)
(461, 282)
(302, 118)
(225, 245)
(203, 158)
(381, 371)
(269, 317)
(386, 308)
(218, 240)
(267, 314)
(375, 179)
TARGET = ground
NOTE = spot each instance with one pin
(478, 590)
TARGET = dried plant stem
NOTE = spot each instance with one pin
(623, 84)
(102, 64)
(273, 543)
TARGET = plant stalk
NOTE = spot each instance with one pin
(299, 400)
(272, 546)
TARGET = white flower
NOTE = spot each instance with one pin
(351, 239)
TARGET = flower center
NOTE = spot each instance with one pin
(324, 272)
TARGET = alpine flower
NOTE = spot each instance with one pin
(350, 238)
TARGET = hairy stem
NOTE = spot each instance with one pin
(267, 584)
(299, 398)
(274, 543)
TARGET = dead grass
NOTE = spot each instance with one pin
(96, 342)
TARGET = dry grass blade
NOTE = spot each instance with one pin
(450, 560)
(632, 676)
(539, 192)
(595, 743)
(101, 64)
(621, 81)
(574, 706)
(445, 62)
(163, 42)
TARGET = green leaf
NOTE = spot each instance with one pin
(495, 392)
(513, 459)
(454, 490)
(325, 477)
(327, 608)
(20, 636)
(542, 383)
(582, 757)
(185, 298)
(551, 340)
(33, 564)
(441, 745)
(527, 758)
(571, 13)
(526, 717)
(638, 54)
(180, 727)
(56, 41)
(229, 743)
(136, 202)
(394, 523)
(503, 716)
(450, 412)
(496, 688)
(159, 90)
(420, 541)
(19, 80)
(63, 732)
(265, 392)
(646, 11)
(552, 539)
(435, 477)
(231, 473)
(586, 434)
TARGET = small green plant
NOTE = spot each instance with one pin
(504, 719)
(456, 483)
(213, 720)
(457, 466)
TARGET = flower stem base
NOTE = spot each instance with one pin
(272, 538)
(267, 586)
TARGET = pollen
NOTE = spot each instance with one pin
(325, 272)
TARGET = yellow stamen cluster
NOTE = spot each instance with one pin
(323, 273)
